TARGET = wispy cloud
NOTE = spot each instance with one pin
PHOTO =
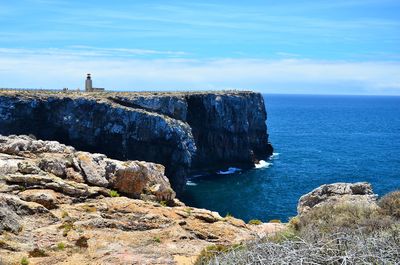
(88, 51)
(273, 76)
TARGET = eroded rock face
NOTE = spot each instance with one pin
(360, 192)
(32, 163)
(181, 131)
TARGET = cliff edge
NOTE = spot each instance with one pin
(182, 131)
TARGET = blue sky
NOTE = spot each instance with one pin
(317, 47)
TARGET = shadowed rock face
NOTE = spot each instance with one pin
(228, 129)
(179, 130)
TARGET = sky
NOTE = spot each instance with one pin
(287, 46)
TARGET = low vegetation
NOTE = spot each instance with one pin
(390, 204)
(67, 226)
(341, 233)
(61, 246)
(24, 261)
(113, 193)
(255, 222)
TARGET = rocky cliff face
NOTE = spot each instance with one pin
(179, 130)
(57, 207)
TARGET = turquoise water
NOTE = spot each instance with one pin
(317, 140)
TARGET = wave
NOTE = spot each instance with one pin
(262, 164)
(274, 155)
(190, 183)
(230, 170)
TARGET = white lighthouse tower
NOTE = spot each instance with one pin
(88, 84)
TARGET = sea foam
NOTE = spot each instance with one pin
(262, 164)
(230, 170)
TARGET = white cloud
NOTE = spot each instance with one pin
(57, 70)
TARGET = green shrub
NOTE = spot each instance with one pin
(113, 193)
(228, 214)
(157, 239)
(255, 222)
(61, 246)
(24, 261)
(390, 204)
(163, 203)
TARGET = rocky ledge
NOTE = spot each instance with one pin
(182, 131)
(359, 193)
(62, 206)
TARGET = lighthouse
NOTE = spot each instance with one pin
(88, 84)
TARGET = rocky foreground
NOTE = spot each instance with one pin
(62, 206)
(182, 131)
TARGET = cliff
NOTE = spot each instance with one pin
(60, 206)
(182, 131)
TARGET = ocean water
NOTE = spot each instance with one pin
(317, 140)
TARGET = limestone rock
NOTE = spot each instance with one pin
(9, 220)
(52, 194)
(47, 198)
(206, 215)
(18, 145)
(267, 229)
(93, 168)
(19, 206)
(135, 178)
(78, 174)
(28, 168)
(360, 192)
(54, 166)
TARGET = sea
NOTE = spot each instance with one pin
(317, 140)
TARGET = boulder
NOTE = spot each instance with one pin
(54, 166)
(360, 192)
(93, 168)
(47, 198)
(135, 178)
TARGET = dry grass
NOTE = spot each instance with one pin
(341, 248)
(390, 204)
(341, 233)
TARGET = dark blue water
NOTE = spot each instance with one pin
(319, 140)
